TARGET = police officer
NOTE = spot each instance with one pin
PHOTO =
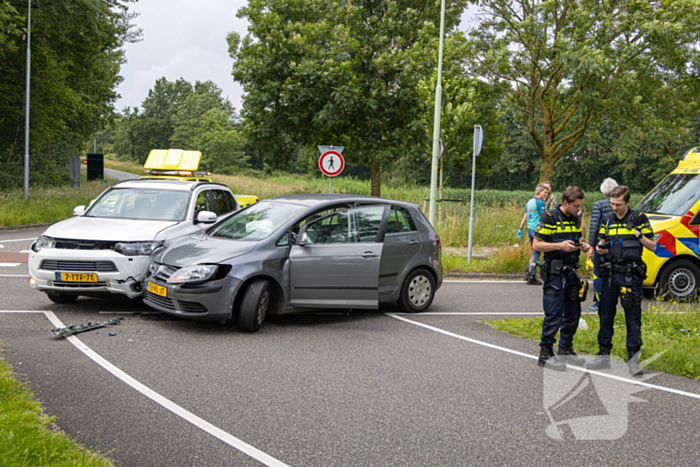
(622, 235)
(558, 237)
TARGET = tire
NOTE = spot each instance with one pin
(679, 281)
(256, 302)
(417, 292)
(62, 298)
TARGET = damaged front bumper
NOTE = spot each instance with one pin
(114, 272)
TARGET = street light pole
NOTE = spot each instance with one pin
(436, 125)
(26, 115)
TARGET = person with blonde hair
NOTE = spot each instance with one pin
(533, 211)
(600, 209)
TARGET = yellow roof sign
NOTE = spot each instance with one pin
(173, 159)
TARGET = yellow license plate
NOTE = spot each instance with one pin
(157, 289)
(76, 277)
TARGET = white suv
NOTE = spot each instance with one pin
(108, 246)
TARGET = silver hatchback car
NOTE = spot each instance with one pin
(298, 253)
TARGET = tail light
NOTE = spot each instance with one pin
(437, 239)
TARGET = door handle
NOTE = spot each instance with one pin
(369, 254)
(413, 242)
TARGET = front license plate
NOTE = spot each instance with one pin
(76, 277)
(157, 289)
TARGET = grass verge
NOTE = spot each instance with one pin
(665, 327)
(27, 437)
(45, 204)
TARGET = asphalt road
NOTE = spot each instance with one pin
(119, 175)
(331, 389)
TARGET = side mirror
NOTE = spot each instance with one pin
(78, 210)
(205, 217)
(302, 240)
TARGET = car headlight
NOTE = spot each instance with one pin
(137, 248)
(42, 243)
(190, 274)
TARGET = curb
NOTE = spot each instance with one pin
(26, 226)
(493, 276)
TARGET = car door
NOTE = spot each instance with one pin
(338, 267)
(401, 244)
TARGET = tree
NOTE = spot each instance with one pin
(565, 63)
(337, 72)
(77, 52)
(196, 117)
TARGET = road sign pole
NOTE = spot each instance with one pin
(471, 210)
(26, 106)
(436, 125)
(330, 185)
(478, 142)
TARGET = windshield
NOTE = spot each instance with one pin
(674, 196)
(138, 203)
(256, 222)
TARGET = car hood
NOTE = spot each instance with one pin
(201, 249)
(100, 228)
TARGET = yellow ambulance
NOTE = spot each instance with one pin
(178, 164)
(673, 208)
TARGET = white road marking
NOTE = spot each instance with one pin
(480, 281)
(456, 313)
(533, 357)
(9, 265)
(188, 416)
(25, 251)
(2, 246)
(14, 275)
(18, 240)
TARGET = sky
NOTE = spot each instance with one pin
(182, 39)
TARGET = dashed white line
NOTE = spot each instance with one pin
(9, 265)
(18, 240)
(480, 281)
(181, 412)
(14, 275)
(533, 357)
(466, 313)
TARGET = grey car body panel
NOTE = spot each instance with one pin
(322, 284)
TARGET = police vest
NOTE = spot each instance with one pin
(624, 245)
(566, 228)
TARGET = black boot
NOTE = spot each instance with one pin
(633, 363)
(602, 361)
(549, 360)
(532, 279)
(567, 355)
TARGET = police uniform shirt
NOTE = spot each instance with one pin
(624, 246)
(557, 227)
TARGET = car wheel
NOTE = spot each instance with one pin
(256, 301)
(417, 292)
(679, 281)
(63, 298)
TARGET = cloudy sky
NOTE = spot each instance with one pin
(181, 39)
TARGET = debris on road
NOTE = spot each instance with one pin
(76, 328)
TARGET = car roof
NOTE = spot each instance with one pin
(164, 184)
(322, 199)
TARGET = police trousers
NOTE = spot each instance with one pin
(560, 314)
(607, 308)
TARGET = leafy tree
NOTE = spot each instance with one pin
(563, 64)
(77, 52)
(337, 72)
(196, 117)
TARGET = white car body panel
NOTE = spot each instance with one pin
(130, 270)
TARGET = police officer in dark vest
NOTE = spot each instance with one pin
(558, 237)
(622, 236)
